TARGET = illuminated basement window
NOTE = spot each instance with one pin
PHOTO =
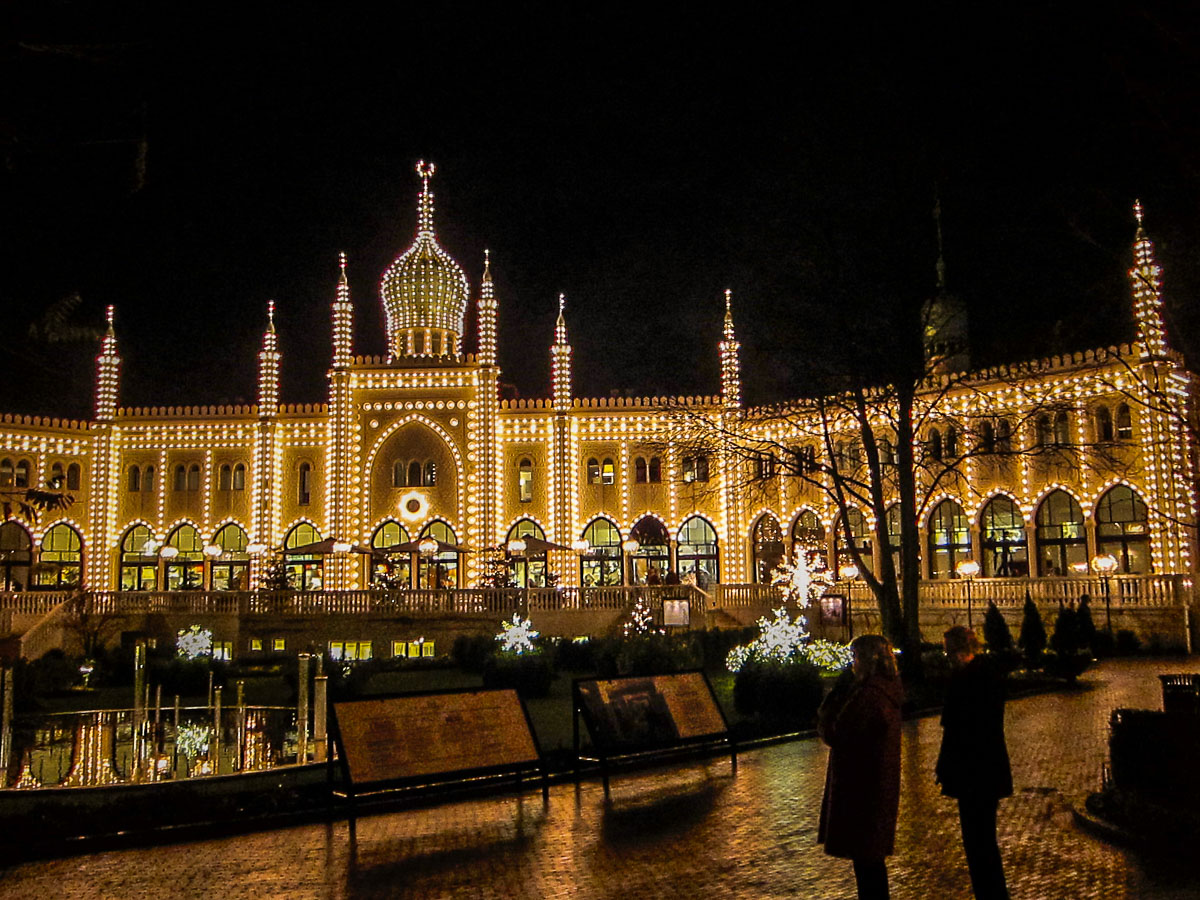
(278, 645)
(222, 650)
(348, 651)
(255, 645)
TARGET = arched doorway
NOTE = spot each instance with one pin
(139, 560)
(1061, 540)
(529, 567)
(231, 568)
(389, 570)
(601, 565)
(305, 570)
(1123, 530)
(440, 571)
(16, 554)
(767, 548)
(60, 559)
(183, 569)
(653, 552)
(1005, 554)
(949, 539)
(696, 552)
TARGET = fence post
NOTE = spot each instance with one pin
(6, 715)
(139, 710)
(302, 711)
(216, 741)
(320, 699)
(241, 724)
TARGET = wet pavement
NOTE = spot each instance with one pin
(691, 831)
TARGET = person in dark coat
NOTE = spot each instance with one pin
(860, 721)
(973, 765)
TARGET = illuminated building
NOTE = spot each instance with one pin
(418, 443)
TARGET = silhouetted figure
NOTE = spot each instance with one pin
(973, 765)
(860, 721)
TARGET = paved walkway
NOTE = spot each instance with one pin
(689, 832)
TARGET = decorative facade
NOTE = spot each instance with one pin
(419, 444)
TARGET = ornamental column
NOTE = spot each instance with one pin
(562, 484)
(341, 570)
(264, 516)
(489, 480)
(736, 547)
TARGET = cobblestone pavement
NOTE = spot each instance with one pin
(687, 832)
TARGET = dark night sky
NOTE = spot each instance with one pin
(640, 162)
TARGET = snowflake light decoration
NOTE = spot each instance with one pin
(194, 642)
(518, 636)
(804, 579)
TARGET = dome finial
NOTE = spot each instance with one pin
(109, 316)
(425, 201)
(487, 264)
(270, 315)
(342, 267)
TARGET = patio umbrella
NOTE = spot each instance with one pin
(537, 545)
(415, 547)
(324, 547)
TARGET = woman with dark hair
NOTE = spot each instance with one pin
(860, 721)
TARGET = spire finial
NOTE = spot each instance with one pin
(425, 201)
(728, 302)
(562, 303)
(487, 263)
(1138, 212)
(941, 259)
(342, 267)
(271, 314)
(108, 315)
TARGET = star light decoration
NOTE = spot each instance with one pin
(194, 642)
(518, 636)
(785, 640)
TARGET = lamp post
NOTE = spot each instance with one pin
(426, 548)
(848, 573)
(516, 548)
(630, 547)
(967, 569)
(1104, 564)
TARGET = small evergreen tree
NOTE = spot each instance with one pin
(1085, 625)
(1065, 639)
(995, 630)
(1032, 639)
(274, 576)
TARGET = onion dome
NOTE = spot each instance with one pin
(424, 291)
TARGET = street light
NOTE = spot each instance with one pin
(848, 572)
(1103, 565)
(630, 547)
(968, 569)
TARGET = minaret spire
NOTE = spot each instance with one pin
(1146, 276)
(731, 369)
(425, 200)
(487, 314)
(268, 369)
(560, 361)
(108, 372)
(343, 319)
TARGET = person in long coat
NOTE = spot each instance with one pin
(860, 721)
(973, 765)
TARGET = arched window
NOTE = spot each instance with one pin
(398, 474)
(225, 478)
(934, 443)
(528, 568)
(430, 474)
(414, 473)
(1062, 429)
(148, 480)
(764, 466)
(180, 482)
(860, 536)
(525, 480)
(1045, 430)
(73, 472)
(1104, 424)
(608, 472)
(766, 541)
(695, 468)
(16, 553)
(21, 474)
(58, 478)
(951, 444)
(6, 473)
(1122, 530)
(1003, 436)
(887, 451)
(1124, 423)
(654, 473)
(305, 567)
(1061, 542)
(390, 568)
(1005, 554)
(601, 565)
(60, 559)
(304, 484)
(239, 477)
(231, 570)
(193, 478)
(440, 572)
(808, 532)
(640, 473)
(139, 560)
(696, 552)
(949, 539)
(135, 479)
(593, 471)
(652, 552)
(987, 437)
(185, 570)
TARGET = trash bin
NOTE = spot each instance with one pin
(1181, 693)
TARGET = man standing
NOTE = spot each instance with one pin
(973, 764)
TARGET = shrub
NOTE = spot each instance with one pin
(712, 645)
(1085, 624)
(1065, 639)
(1128, 643)
(471, 651)
(186, 677)
(529, 674)
(575, 656)
(995, 630)
(653, 654)
(1032, 639)
(780, 692)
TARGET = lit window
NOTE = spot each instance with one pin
(430, 474)
(1124, 423)
(21, 474)
(1104, 424)
(608, 472)
(525, 480)
(255, 645)
(427, 648)
(222, 650)
(399, 648)
(6, 473)
(593, 471)
(349, 650)
(278, 645)
(239, 477)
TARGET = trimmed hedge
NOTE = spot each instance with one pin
(782, 693)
